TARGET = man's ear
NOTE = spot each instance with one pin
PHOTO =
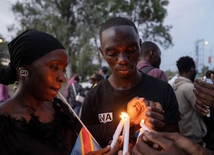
(192, 69)
(151, 53)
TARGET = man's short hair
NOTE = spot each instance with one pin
(185, 63)
(208, 73)
(117, 21)
(148, 46)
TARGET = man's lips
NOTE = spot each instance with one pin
(124, 70)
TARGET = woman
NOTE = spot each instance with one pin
(33, 121)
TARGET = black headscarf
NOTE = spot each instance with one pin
(25, 49)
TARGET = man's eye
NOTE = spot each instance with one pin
(132, 49)
(54, 66)
(112, 53)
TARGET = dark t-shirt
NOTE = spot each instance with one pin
(17, 137)
(103, 105)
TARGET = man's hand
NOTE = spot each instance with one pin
(204, 93)
(151, 112)
(147, 141)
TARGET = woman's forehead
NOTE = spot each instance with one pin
(56, 55)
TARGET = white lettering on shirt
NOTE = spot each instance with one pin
(105, 117)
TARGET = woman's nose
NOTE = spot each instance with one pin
(62, 77)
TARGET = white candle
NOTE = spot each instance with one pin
(117, 133)
(143, 127)
(126, 134)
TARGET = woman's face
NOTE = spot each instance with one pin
(47, 74)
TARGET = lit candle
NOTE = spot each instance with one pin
(126, 134)
(117, 131)
(143, 127)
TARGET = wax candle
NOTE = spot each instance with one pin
(143, 127)
(126, 134)
(117, 133)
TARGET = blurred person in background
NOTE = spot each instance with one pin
(191, 124)
(70, 81)
(103, 71)
(73, 90)
(150, 60)
(95, 79)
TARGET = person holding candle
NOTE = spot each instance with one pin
(166, 143)
(121, 47)
(33, 121)
(205, 100)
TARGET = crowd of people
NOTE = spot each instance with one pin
(35, 121)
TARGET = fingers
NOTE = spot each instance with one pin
(204, 92)
(117, 146)
(201, 108)
(105, 150)
(158, 140)
(143, 148)
(156, 118)
(185, 144)
(121, 152)
(173, 136)
(101, 151)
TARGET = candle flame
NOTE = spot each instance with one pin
(142, 120)
(124, 115)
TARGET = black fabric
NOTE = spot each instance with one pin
(17, 137)
(146, 69)
(26, 48)
(209, 138)
(104, 99)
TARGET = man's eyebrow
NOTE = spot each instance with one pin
(109, 48)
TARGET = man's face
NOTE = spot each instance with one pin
(120, 47)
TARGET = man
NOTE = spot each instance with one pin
(150, 60)
(74, 90)
(191, 124)
(120, 47)
(103, 71)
